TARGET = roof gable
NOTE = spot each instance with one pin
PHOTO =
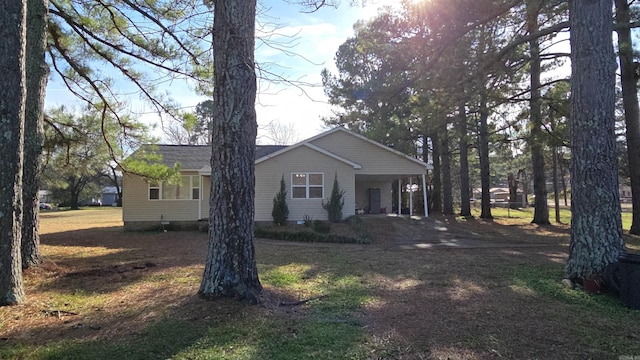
(197, 157)
(315, 139)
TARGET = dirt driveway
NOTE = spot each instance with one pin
(449, 232)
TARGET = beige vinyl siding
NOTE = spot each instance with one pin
(302, 160)
(374, 159)
(136, 205)
(206, 196)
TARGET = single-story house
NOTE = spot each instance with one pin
(365, 170)
(45, 196)
(109, 195)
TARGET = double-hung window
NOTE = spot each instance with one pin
(187, 189)
(307, 185)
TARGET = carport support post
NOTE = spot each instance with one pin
(424, 195)
(399, 197)
(410, 196)
(200, 198)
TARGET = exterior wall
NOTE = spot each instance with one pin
(205, 196)
(362, 194)
(374, 159)
(302, 159)
(136, 206)
(109, 199)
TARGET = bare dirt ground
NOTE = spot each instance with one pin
(441, 288)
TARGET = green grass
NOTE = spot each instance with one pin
(586, 308)
(324, 329)
(527, 214)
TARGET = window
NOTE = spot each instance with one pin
(154, 190)
(195, 187)
(188, 189)
(307, 185)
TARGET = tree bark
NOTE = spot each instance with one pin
(541, 208)
(447, 190)
(36, 83)
(12, 98)
(231, 270)
(436, 194)
(556, 196)
(465, 205)
(596, 225)
(628, 81)
(483, 147)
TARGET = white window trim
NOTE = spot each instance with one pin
(306, 186)
(160, 185)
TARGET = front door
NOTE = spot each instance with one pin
(374, 201)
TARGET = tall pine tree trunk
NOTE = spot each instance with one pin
(596, 226)
(231, 270)
(436, 194)
(465, 205)
(628, 80)
(483, 147)
(447, 190)
(556, 196)
(36, 82)
(12, 102)
(541, 207)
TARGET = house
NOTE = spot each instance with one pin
(45, 196)
(500, 195)
(109, 196)
(365, 170)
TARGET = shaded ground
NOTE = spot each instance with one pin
(442, 288)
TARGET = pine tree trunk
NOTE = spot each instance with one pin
(541, 207)
(447, 190)
(596, 226)
(465, 205)
(483, 147)
(556, 196)
(628, 80)
(12, 102)
(436, 194)
(36, 82)
(231, 270)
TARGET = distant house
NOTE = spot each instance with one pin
(45, 196)
(109, 195)
(499, 195)
(365, 170)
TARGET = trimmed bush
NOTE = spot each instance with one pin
(321, 227)
(280, 212)
(303, 236)
(336, 202)
(362, 235)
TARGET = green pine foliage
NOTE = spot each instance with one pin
(280, 212)
(336, 202)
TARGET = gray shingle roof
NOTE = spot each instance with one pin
(193, 157)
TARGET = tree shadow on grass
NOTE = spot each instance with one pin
(379, 302)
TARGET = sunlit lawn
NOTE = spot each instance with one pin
(527, 213)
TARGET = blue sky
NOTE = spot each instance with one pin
(317, 37)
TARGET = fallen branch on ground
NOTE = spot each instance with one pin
(300, 302)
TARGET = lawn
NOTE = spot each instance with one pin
(107, 294)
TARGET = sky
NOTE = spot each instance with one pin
(314, 37)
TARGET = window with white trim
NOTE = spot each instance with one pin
(307, 185)
(187, 189)
(154, 190)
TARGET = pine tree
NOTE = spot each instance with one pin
(280, 210)
(336, 202)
